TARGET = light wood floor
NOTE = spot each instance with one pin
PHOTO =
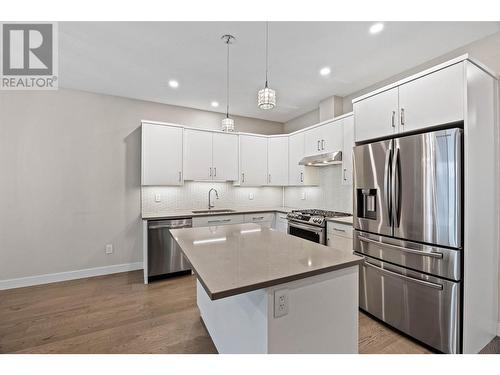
(119, 314)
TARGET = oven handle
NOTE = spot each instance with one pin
(404, 277)
(306, 227)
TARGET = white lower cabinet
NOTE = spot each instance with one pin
(281, 222)
(216, 220)
(263, 218)
(339, 236)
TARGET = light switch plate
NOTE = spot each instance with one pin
(157, 197)
(250, 196)
(109, 248)
(281, 303)
(303, 196)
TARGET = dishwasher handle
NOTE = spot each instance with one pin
(171, 224)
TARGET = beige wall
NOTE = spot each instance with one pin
(303, 121)
(70, 163)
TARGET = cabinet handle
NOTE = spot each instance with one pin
(180, 176)
(258, 218)
(393, 121)
(345, 170)
(301, 176)
(210, 171)
(219, 221)
(319, 145)
(322, 144)
(339, 230)
(242, 178)
(269, 178)
(402, 116)
(215, 171)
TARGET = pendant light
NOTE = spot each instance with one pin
(266, 97)
(228, 123)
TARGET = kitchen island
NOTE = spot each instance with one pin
(262, 291)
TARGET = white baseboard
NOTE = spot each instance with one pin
(70, 275)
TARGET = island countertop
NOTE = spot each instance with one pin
(235, 259)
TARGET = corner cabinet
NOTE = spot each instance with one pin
(210, 156)
(433, 99)
(253, 160)
(161, 154)
(277, 161)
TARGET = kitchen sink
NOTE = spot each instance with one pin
(211, 211)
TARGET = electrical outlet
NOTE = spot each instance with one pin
(109, 248)
(303, 196)
(157, 198)
(281, 305)
(250, 196)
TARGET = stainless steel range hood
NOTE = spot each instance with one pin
(322, 160)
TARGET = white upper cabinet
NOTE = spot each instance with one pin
(197, 155)
(210, 156)
(376, 116)
(299, 174)
(225, 157)
(434, 99)
(161, 155)
(324, 138)
(277, 161)
(296, 153)
(348, 140)
(253, 160)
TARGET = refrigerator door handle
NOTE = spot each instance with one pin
(404, 277)
(387, 185)
(432, 254)
(396, 187)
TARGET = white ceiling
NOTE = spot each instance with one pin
(137, 59)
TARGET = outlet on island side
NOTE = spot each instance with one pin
(281, 305)
(109, 248)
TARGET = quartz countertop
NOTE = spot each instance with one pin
(240, 258)
(235, 210)
(342, 220)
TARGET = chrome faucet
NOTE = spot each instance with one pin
(210, 205)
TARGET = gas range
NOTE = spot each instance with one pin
(314, 217)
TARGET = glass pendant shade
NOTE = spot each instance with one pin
(266, 98)
(228, 125)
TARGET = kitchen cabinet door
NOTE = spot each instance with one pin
(161, 155)
(296, 153)
(331, 136)
(197, 155)
(312, 141)
(277, 161)
(225, 157)
(376, 116)
(348, 144)
(435, 99)
(253, 160)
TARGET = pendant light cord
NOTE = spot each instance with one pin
(267, 48)
(227, 80)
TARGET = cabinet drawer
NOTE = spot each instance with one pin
(343, 230)
(259, 217)
(208, 221)
(339, 242)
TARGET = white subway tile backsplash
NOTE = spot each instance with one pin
(329, 195)
(194, 195)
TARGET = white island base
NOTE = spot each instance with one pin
(322, 317)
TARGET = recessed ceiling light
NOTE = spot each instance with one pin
(214, 104)
(325, 71)
(376, 28)
(173, 83)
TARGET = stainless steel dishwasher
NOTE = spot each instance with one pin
(165, 258)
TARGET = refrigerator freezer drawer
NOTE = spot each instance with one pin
(434, 260)
(422, 306)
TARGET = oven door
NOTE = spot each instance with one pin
(307, 232)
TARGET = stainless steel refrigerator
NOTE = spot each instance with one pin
(408, 226)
